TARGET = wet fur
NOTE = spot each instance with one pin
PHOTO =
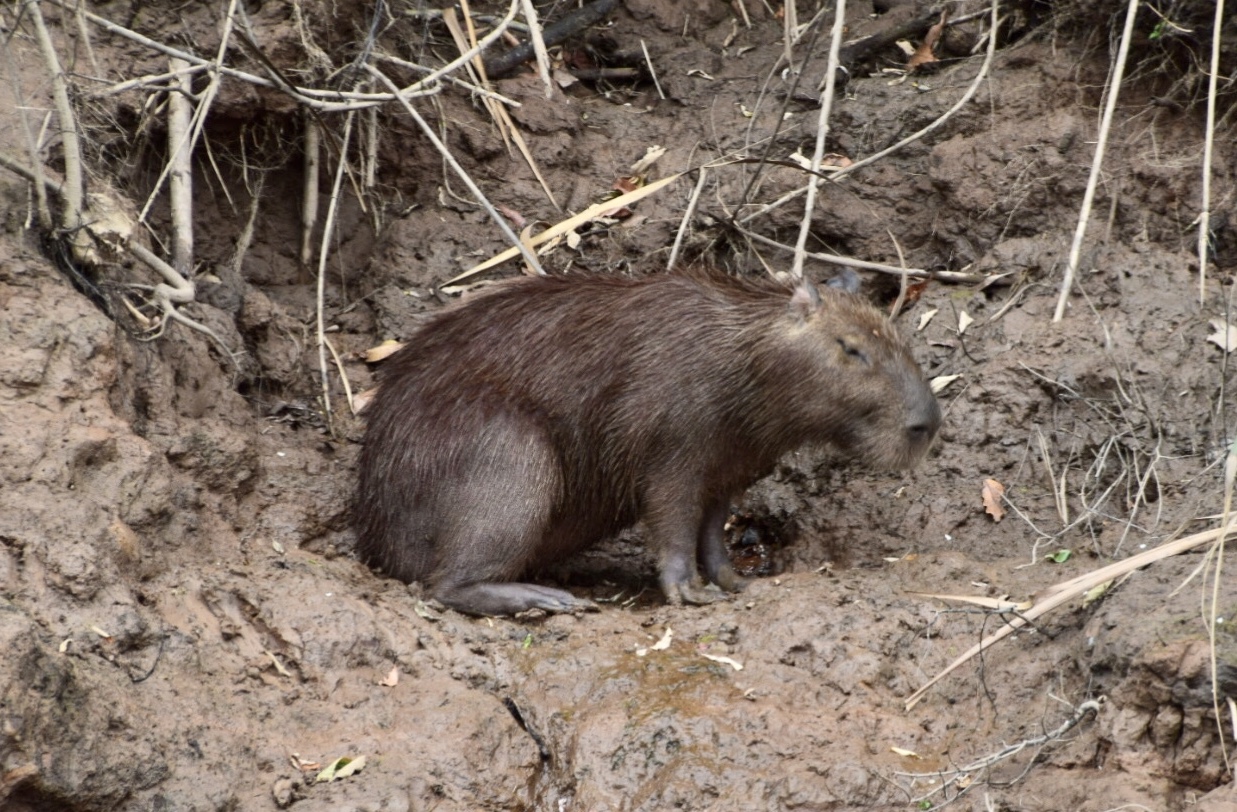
(531, 422)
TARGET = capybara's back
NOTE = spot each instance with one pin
(538, 419)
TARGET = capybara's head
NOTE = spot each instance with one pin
(872, 398)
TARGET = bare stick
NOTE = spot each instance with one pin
(1114, 90)
(323, 252)
(309, 188)
(71, 217)
(529, 256)
(652, 71)
(181, 149)
(180, 176)
(685, 223)
(958, 105)
(822, 130)
(543, 58)
(1204, 217)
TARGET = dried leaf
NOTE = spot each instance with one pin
(902, 751)
(1095, 593)
(341, 767)
(964, 321)
(992, 493)
(386, 348)
(650, 157)
(939, 383)
(924, 54)
(391, 679)
(925, 318)
(660, 645)
(1225, 335)
(718, 658)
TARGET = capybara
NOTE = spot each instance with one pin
(538, 419)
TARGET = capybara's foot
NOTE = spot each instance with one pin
(695, 593)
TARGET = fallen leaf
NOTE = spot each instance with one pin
(1060, 556)
(1225, 336)
(101, 632)
(386, 348)
(718, 658)
(925, 54)
(1095, 593)
(925, 318)
(341, 767)
(992, 493)
(647, 160)
(902, 751)
(660, 645)
(964, 321)
(391, 679)
(939, 383)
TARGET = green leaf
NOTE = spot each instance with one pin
(1060, 556)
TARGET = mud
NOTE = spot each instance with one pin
(185, 623)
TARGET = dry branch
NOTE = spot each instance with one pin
(591, 14)
(73, 189)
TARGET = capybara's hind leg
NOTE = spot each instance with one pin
(500, 509)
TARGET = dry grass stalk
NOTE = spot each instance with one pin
(502, 119)
(961, 779)
(966, 97)
(563, 226)
(323, 252)
(847, 262)
(543, 57)
(429, 133)
(822, 131)
(323, 100)
(1204, 217)
(1056, 595)
(42, 207)
(1110, 106)
(688, 214)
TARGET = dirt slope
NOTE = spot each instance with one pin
(186, 627)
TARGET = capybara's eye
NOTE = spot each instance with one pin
(853, 351)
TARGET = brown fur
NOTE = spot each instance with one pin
(534, 421)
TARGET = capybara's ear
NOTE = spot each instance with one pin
(805, 301)
(847, 280)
